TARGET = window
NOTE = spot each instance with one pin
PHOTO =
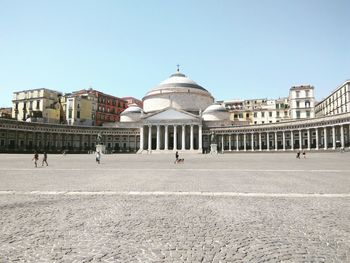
(306, 93)
(78, 114)
(297, 94)
(270, 114)
(78, 106)
(298, 114)
(247, 115)
(38, 104)
(30, 105)
(298, 104)
(263, 114)
(255, 114)
(277, 114)
(308, 114)
(70, 114)
(307, 104)
(277, 106)
(16, 105)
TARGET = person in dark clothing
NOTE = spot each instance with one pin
(176, 157)
(298, 155)
(45, 160)
(35, 159)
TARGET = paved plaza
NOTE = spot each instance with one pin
(239, 207)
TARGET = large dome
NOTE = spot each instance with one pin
(178, 92)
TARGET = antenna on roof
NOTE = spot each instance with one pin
(178, 68)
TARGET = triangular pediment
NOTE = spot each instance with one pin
(171, 114)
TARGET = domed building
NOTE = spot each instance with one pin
(178, 92)
(216, 112)
(131, 114)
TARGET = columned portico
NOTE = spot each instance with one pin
(284, 140)
(252, 141)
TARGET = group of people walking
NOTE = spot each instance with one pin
(36, 159)
(298, 155)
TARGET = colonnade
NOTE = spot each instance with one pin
(327, 137)
(160, 137)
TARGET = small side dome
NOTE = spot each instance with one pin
(131, 114)
(216, 112)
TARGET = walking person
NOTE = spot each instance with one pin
(304, 154)
(176, 157)
(298, 155)
(35, 159)
(98, 157)
(44, 160)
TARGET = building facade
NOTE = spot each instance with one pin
(302, 102)
(39, 105)
(80, 109)
(337, 102)
(180, 115)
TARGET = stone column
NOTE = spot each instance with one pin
(141, 139)
(284, 140)
(308, 139)
(158, 138)
(349, 135)
(268, 141)
(166, 138)
(300, 141)
(150, 138)
(237, 146)
(245, 141)
(276, 144)
(317, 142)
(200, 143)
(191, 138)
(229, 143)
(342, 136)
(292, 140)
(333, 136)
(325, 138)
(222, 143)
(183, 146)
(175, 138)
(260, 146)
(252, 142)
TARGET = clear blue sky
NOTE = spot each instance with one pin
(235, 49)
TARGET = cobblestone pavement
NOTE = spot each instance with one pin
(101, 227)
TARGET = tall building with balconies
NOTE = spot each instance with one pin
(108, 107)
(80, 109)
(302, 102)
(37, 105)
(337, 102)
